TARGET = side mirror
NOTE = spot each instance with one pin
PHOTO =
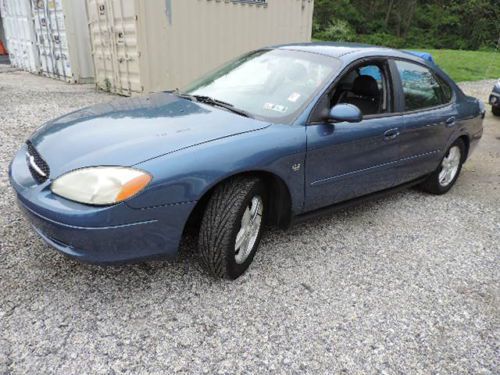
(345, 113)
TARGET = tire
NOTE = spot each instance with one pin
(496, 111)
(233, 206)
(436, 183)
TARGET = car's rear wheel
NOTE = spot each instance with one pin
(496, 111)
(445, 176)
(231, 227)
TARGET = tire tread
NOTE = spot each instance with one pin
(431, 185)
(216, 229)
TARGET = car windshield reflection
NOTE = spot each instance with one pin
(268, 84)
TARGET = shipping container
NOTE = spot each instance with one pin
(63, 41)
(20, 34)
(145, 46)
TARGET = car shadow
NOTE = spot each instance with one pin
(186, 268)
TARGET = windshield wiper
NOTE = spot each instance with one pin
(211, 101)
(215, 102)
(177, 92)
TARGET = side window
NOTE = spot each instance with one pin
(420, 87)
(446, 89)
(366, 86)
(372, 71)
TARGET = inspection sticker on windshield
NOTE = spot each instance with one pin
(275, 107)
(294, 97)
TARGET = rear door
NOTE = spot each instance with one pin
(429, 118)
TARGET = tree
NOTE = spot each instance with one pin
(414, 23)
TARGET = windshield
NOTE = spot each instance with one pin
(270, 84)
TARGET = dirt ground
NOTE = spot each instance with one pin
(408, 284)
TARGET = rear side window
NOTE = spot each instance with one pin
(421, 88)
(447, 93)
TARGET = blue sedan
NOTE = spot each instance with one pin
(275, 136)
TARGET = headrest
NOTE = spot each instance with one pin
(365, 86)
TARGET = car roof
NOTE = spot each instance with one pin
(348, 52)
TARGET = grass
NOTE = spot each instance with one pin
(464, 65)
(468, 65)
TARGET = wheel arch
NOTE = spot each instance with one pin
(280, 202)
(466, 140)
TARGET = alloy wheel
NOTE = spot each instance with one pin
(450, 166)
(251, 223)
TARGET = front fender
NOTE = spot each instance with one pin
(186, 175)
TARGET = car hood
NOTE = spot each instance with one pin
(129, 131)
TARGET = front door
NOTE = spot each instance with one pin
(345, 160)
(348, 160)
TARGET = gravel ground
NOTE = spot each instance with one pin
(406, 284)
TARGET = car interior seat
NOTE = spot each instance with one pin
(365, 95)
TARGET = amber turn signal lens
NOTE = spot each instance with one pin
(132, 187)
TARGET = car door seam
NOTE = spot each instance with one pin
(330, 179)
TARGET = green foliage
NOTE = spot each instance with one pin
(339, 30)
(451, 24)
(468, 65)
(382, 39)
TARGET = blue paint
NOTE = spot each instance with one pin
(190, 147)
(345, 113)
(371, 71)
(424, 55)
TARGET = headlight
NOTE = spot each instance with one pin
(101, 185)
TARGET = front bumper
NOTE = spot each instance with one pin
(103, 235)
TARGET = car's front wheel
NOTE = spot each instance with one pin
(496, 111)
(445, 176)
(232, 226)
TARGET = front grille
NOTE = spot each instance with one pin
(38, 167)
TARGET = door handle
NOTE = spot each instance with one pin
(391, 134)
(450, 122)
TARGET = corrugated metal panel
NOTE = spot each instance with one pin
(77, 34)
(222, 30)
(160, 44)
(63, 40)
(2, 35)
(19, 34)
(113, 31)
